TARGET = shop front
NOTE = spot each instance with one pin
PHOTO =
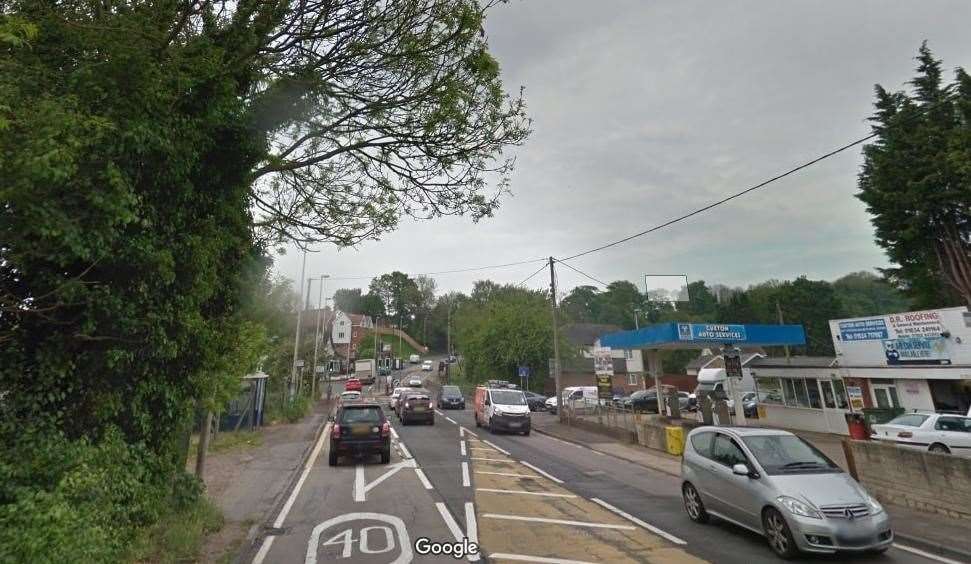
(801, 393)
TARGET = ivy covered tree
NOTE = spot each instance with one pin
(916, 181)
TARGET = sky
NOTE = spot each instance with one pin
(645, 110)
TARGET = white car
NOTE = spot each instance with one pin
(348, 396)
(551, 404)
(394, 397)
(936, 432)
(426, 366)
(414, 383)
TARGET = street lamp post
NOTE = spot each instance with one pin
(296, 338)
(636, 323)
(317, 331)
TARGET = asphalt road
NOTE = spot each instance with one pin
(525, 499)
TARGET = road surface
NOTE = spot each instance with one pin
(520, 499)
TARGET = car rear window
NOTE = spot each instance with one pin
(369, 414)
(909, 420)
(451, 391)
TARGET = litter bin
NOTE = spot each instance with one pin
(856, 424)
(674, 440)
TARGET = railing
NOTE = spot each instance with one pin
(603, 413)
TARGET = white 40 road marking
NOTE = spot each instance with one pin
(371, 539)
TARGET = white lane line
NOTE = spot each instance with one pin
(404, 450)
(637, 521)
(462, 448)
(471, 526)
(524, 492)
(437, 412)
(927, 555)
(454, 527)
(463, 431)
(510, 474)
(466, 481)
(450, 420)
(423, 479)
(359, 483)
(268, 541)
(544, 473)
(559, 521)
(393, 432)
(541, 559)
(492, 459)
(493, 445)
(485, 449)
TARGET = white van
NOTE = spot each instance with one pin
(580, 396)
(501, 409)
(713, 381)
(414, 359)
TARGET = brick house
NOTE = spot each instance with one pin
(577, 369)
(347, 330)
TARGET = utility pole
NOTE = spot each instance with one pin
(296, 338)
(556, 344)
(778, 309)
(448, 328)
(637, 324)
(317, 330)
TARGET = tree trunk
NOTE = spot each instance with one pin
(955, 263)
(205, 432)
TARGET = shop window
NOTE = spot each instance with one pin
(839, 389)
(789, 391)
(802, 398)
(812, 388)
(628, 354)
(829, 399)
(769, 390)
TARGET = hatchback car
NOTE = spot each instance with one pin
(936, 432)
(778, 485)
(360, 429)
(416, 405)
(426, 366)
(451, 398)
(536, 402)
(353, 385)
(348, 396)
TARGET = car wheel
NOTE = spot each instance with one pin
(386, 455)
(693, 504)
(332, 459)
(526, 433)
(939, 448)
(491, 428)
(778, 534)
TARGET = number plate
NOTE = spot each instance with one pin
(419, 409)
(515, 425)
(360, 430)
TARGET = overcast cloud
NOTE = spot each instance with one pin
(646, 110)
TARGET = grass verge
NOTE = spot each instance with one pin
(179, 536)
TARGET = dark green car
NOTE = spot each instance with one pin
(360, 429)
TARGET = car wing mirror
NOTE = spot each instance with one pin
(743, 470)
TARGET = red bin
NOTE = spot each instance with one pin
(856, 425)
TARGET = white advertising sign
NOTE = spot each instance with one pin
(603, 364)
(937, 337)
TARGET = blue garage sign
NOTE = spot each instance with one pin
(864, 330)
(711, 332)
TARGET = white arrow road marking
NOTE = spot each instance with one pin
(493, 445)
(472, 529)
(631, 518)
(450, 420)
(268, 541)
(361, 486)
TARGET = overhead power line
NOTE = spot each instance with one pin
(577, 270)
(541, 269)
(454, 271)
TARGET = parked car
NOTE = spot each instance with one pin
(426, 366)
(451, 359)
(414, 359)
(618, 400)
(352, 385)
(684, 400)
(451, 398)
(551, 404)
(778, 485)
(536, 402)
(501, 409)
(360, 429)
(642, 400)
(395, 394)
(936, 432)
(750, 405)
(416, 405)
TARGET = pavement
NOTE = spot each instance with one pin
(927, 532)
(536, 498)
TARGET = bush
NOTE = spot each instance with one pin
(65, 500)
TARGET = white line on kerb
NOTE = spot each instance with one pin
(462, 447)
(544, 473)
(493, 445)
(524, 492)
(450, 420)
(559, 522)
(423, 479)
(466, 482)
(510, 474)
(492, 459)
(437, 412)
(268, 541)
(541, 559)
(633, 519)
(928, 555)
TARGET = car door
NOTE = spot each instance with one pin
(955, 433)
(736, 493)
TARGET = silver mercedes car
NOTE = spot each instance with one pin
(778, 485)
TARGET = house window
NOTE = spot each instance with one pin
(340, 335)
(632, 380)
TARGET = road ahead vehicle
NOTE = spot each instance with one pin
(365, 370)
(501, 409)
(778, 485)
(414, 383)
(426, 366)
(416, 405)
(348, 396)
(536, 402)
(414, 359)
(360, 429)
(353, 385)
(395, 394)
(936, 432)
(451, 398)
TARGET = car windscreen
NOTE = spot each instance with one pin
(788, 454)
(909, 420)
(508, 397)
(369, 414)
(451, 391)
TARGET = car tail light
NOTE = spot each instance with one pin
(336, 431)
(385, 429)
(905, 435)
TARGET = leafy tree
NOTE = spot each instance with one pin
(916, 181)
(373, 305)
(581, 305)
(864, 293)
(701, 302)
(400, 295)
(348, 300)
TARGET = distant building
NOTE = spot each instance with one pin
(577, 370)
(347, 330)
